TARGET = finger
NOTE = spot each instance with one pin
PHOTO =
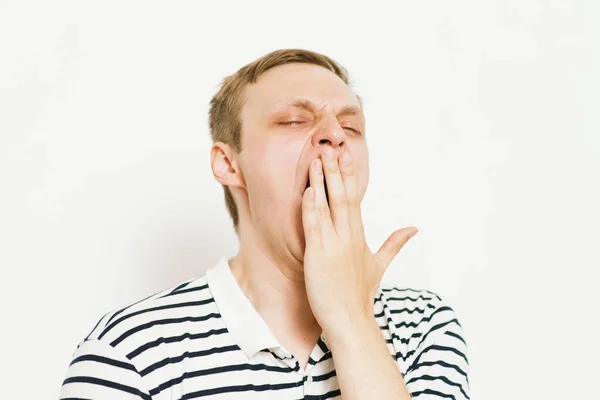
(390, 248)
(322, 208)
(352, 194)
(310, 222)
(338, 202)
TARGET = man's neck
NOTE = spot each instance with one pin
(277, 290)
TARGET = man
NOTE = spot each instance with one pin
(299, 312)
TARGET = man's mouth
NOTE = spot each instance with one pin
(325, 187)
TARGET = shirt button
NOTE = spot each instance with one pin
(307, 383)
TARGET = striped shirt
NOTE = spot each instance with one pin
(204, 339)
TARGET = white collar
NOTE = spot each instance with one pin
(243, 322)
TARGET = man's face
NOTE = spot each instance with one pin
(289, 115)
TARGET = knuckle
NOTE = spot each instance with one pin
(324, 211)
(353, 200)
(341, 200)
(310, 229)
(348, 170)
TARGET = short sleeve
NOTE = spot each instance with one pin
(440, 367)
(98, 371)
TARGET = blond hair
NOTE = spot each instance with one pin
(226, 105)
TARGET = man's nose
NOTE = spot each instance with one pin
(329, 133)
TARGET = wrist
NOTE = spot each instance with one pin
(351, 333)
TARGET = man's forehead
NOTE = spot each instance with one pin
(305, 86)
(316, 106)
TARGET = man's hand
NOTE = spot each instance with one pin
(341, 273)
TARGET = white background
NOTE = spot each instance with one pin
(483, 131)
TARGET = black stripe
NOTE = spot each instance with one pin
(433, 392)
(277, 356)
(181, 286)
(296, 367)
(157, 308)
(441, 348)
(399, 355)
(405, 340)
(311, 361)
(239, 388)
(415, 299)
(109, 384)
(426, 319)
(322, 345)
(74, 398)
(441, 378)
(444, 364)
(455, 335)
(187, 354)
(217, 370)
(401, 310)
(104, 360)
(324, 377)
(391, 289)
(167, 321)
(129, 306)
(326, 356)
(174, 339)
(409, 311)
(194, 289)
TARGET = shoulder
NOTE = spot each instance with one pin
(132, 322)
(420, 311)
(434, 352)
(104, 364)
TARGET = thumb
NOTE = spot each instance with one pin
(390, 248)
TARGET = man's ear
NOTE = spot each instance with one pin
(224, 165)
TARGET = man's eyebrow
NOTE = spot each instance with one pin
(312, 107)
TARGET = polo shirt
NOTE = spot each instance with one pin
(203, 339)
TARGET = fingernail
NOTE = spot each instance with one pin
(329, 153)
